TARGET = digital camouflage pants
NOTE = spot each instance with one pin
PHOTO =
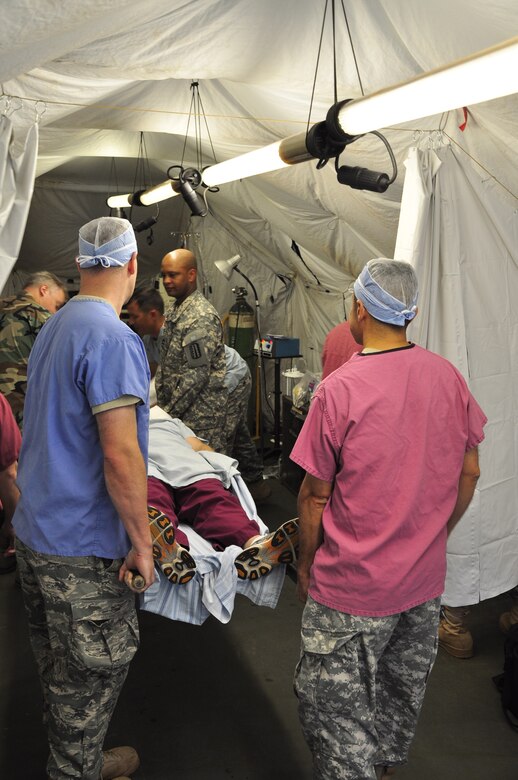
(84, 633)
(239, 443)
(360, 683)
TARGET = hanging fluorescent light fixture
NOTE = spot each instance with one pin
(280, 154)
(186, 180)
(167, 189)
(487, 75)
(119, 201)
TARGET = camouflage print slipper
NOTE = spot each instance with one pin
(175, 561)
(280, 546)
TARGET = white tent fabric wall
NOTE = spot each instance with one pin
(17, 168)
(259, 218)
(55, 216)
(462, 237)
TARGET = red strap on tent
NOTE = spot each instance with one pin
(462, 127)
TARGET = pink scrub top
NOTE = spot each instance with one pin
(389, 430)
(339, 346)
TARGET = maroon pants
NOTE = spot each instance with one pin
(213, 511)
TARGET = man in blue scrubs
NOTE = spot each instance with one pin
(81, 523)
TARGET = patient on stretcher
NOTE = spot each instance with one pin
(188, 483)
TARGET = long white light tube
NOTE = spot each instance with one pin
(258, 161)
(119, 201)
(167, 189)
(486, 75)
(280, 154)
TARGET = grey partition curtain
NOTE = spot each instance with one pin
(17, 169)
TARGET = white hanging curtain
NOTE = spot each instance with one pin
(461, 237)
(17, 170)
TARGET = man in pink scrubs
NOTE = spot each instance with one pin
(339, 346)
(390, 452)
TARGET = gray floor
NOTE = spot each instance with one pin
(215, 702)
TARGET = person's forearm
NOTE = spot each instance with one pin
(313, 497)
(310, 531)
(9, 493)
(198, 445)
(126, 482)
(467, 484)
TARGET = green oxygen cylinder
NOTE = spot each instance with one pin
(241, 326)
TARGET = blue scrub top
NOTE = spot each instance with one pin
(83, 356)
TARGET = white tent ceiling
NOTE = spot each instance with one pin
(107, 71)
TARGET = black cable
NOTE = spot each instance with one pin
(352, 49)
(295, 248)
(197, 131)
(334, 53)
(146, 168)
(113, 177)
(387, 182)
(187, 128)
(391, 154)
(316, 67)
(207, 128)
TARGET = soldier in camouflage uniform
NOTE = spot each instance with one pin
(21, 318)
(191, 374)
(81, 522)
(239, 443)
(390, 449)
(146, 317)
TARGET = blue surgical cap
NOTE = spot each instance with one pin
(388, 290)
(107, 241)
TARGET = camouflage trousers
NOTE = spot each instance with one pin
(360, 683)
(84, 632)
(239, 443)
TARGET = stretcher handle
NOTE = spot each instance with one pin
(135, 580)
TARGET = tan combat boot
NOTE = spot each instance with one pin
(119, 763)
(454, 637)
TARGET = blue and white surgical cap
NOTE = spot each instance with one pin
(388, 289)
(106, 241)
